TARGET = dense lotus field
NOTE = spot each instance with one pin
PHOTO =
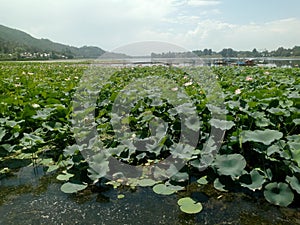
(236, 128)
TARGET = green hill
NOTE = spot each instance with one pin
(16, 45)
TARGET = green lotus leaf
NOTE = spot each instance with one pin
(279, 194)
(294, 138)
(262, 122)
(146, 182)
(8, 147)
(52, 168)
(222, 124)
(186, 200)
(295, 152)
(273, 149)
(180, 177)
(193, 123)
(294, 145)
(257, 181)
(162, 189)
(99, 166)
(202, 180)
(219, 186)
(279, 112)
(70, 150)
(64, 177)
(2, 133)
(72, 188)
(175, 187)
(43, 114)
(294, 183)
(263, 136)
(188, 205)
(231, 165)
(296, 121)
(120, 196)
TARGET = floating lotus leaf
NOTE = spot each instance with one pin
(99, 166)
(72, 188)
(278, 194)
(180, 177)
(120, 196)
(176, 187)
(146, 182)
(219, 186)
(64, 177)
(230, 165)
(294, 183)
(257, 181)
(263, 136)
(52, 168)
(162, 189)
(188, 205)
(222, 124)
(202, 180)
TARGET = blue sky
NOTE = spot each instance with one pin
(192, 24)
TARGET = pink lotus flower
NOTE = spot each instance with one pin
(188, 83)
(238, 91)
(249, 78)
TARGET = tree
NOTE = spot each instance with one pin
(228, 52)
(255, 53)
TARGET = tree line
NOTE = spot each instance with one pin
(229, 52)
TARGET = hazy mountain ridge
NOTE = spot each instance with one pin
(16, 45)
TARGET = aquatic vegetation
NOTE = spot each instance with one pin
(189, 206)
(231, 127)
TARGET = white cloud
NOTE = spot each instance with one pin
(217, 35)
(203, 2)
(112, 23)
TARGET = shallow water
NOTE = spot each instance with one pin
(31, 197)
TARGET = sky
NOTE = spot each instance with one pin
(190, 24)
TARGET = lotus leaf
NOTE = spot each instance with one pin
(231, 165)
(222, 124)
(2, 133)
(188, 205)
(296, 121)
(64, 177)
(294, 183)
(162, 189)
(202, 180)
(180, 177)
(72, 188)
(120, 196)
(263, 136)
(278, 194)
(146, 182)
(219, 186)
(257, 181)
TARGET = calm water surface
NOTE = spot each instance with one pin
(31, 197)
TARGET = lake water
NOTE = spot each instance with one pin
(31, 197)
(264, 62)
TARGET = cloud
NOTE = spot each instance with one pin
(203, 2)
(193, 24)
(217, 35)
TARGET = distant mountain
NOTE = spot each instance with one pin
(16, 44)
